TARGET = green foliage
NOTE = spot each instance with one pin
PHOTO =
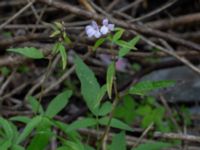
(35, 105)
(72, 145)
(105, 108)
(23, 69)
(63, 54)
(185, 113)
(58, 103)
(118, 142)
(126, 47)
(5, 71)
(142, 88)
(90, 87)
(22, 119)
(58, 27)
(98, 43)
(100, 95)
(7, 130)
(82, 123)
(66, 39)
(115, 123)
(123, 110)
(29, 128)
(30, 52)
(146, 111)
(110, 78)
(42, 136)
(63, 40)
(59, 47)
(152, 112)
(118, 34)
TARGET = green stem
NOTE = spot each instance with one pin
(115, 102)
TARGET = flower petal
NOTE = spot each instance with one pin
(97, 34)
(104, 30)
(90, 31)
(94, 25)
(105, 22)
(111, 27)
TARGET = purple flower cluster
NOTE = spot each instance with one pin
(94, 30)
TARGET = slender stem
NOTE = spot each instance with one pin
(42, 85)
(115, 102)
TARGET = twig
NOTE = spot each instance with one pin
(111, 5)
(133, 4)
(170, 113)
(20, 39)
(41, 80)
(175, 22)
(5, 84)
(87, 5)
(14, 91)
(191, 138)
(143, 134)
(95, 134)
(16, 15)
(154, 12)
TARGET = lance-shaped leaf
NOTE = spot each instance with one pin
(63, 54)
(30, 52)
(90, 87)
(58, 103)
(109, 78)
(144, 87)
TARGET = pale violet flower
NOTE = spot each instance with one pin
(106, 28)
(93, 30)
